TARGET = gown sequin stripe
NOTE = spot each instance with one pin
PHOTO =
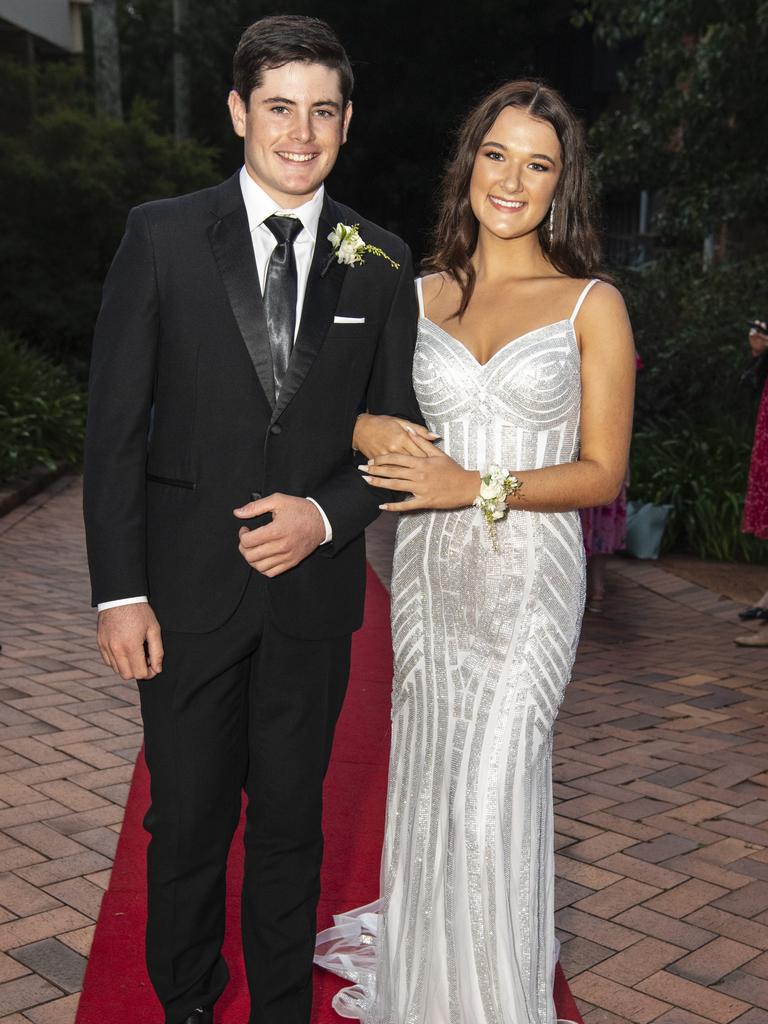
(484, 644)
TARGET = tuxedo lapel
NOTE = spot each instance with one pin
(320, 302)
(230, 240)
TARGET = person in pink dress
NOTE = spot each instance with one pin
(605, 532)
(755, 520)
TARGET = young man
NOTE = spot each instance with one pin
(225, 513)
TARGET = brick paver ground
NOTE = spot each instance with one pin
(661, 782)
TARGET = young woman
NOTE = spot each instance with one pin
(524, 368)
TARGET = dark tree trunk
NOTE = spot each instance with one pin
(106, 58)
(181, 101)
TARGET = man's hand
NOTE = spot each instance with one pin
(130, 642)
(296, 529)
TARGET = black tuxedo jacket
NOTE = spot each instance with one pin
(183, 424)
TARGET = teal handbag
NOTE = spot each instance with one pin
(645, 528)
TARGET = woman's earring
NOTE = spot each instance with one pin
(551, 223)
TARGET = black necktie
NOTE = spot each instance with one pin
(280, 292)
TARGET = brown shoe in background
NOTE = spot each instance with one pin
(756, 639)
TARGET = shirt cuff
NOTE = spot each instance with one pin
(326, 522)
(125, 600)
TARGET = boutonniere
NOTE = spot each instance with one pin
(349, 248)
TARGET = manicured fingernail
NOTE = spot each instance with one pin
(364, 468)
(435, 436)
(367, 479)
(384, 508)
(370, 462)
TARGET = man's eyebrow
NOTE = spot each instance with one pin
(292, 103)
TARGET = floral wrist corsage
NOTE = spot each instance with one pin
(495, 488)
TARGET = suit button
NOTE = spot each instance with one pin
(276, 429)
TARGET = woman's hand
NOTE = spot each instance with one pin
(383, 435)
(435, 481)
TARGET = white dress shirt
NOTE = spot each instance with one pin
(259, 206)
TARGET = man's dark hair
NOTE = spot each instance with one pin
(282, 39)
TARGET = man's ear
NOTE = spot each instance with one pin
(237, 112)
(347, 117)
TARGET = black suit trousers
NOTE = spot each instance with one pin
(243, 708)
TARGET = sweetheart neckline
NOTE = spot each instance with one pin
(506, 345)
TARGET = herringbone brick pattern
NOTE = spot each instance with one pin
(661, 783)
(69, 734)
(661, 810)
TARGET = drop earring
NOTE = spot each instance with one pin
(551, 223)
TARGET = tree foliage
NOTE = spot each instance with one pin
(691, 121)
(68, 179)
(691, 331)
(689, 125)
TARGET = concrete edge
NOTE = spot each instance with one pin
(16, 492)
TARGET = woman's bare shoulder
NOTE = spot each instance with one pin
(604, 299)
(433, 284)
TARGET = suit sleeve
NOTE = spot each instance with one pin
(119, 413)
(349, 503)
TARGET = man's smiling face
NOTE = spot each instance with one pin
(293, 128)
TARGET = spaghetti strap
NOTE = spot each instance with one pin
(581, 298)
(420, 296)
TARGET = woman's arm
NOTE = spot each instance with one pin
(382, 435)
(607, 381)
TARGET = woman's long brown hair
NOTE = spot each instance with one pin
(574, 250)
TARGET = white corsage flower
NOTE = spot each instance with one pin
(349, 248)
(347, 243)
(495, 488)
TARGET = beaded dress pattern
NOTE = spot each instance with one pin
(484, 644)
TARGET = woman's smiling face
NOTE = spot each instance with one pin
(515, 174)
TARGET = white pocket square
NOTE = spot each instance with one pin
(349, 319)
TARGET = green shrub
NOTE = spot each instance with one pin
(690, 329)
(42, 411)
(68, 180)
(700, 469)
(695, 418)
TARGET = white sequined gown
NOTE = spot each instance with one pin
(484, 644)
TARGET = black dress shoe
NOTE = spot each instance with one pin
(758, 612)
(202, 1015)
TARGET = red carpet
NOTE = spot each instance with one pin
(116, 986)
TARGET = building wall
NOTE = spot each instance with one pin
(57, 22)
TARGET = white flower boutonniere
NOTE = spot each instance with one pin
(349, 248)
(495, 488)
